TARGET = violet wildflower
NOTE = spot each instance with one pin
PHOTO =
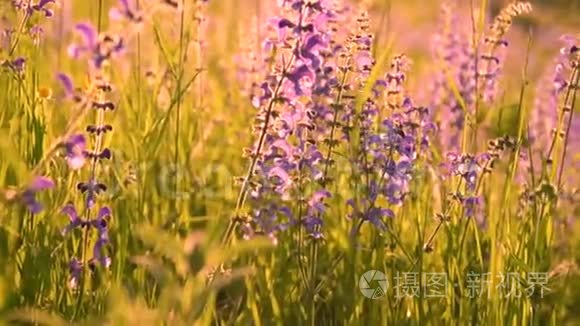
(43, 7)
(125, 11)
(468, 167)
(36, 32)
(75, 270)
(552, 118)
(92, 188)
(75, 220)
(99, 48)
(552, 87)
(490, 61)
(293, 103)
(100, 223)
(28, 7)
(454, 86)
(471, 169)
(70, 92)
(390, 149)
(28, 195)
(17, 65)
(75, 151)
(469, 71)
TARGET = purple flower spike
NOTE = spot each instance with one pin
(281, 178)
(298, 76)
(316, 202)
(17, 65)
(75, 269)
(42, 183)
(89, 35)
(92, 189)
(104, 212)
(471, 205)
(41, 7)
(88, 32)
(124, 11)
(75, 147)
(100, 223)
(28, 196)
(67, 84)
(308, 51)
(98, 256)
(75, 219)
(376, 215)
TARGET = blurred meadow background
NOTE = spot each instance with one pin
(247, 161)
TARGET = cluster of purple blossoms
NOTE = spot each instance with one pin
(471, 169)
(28, 195)
(76, 155)
(471, 71)
(552, 121)
(17, 65)
(9, 39)
(288, 155)
(308, 109)
(297, 108)
(29, 7)
(453, 48)
(550, 91)
(98, 50)
(125, 11)
(393, 136)
(489, 59)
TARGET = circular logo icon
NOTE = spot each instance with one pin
(373, 284)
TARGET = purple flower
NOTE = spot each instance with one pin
(75, 269)
(490, 61)
(301, 75)
(316, 202)
(124, 11)
(88, 42)
(100, 223)
(75, 148)
(98, 49)
(69, 90)
(470, 204)
(41, 7)
(293, 139)
(309, 50)
(28, 196)
(92, 189)
(544, 115)
(98, 256)
(75, 220)
(376, 215)
(281, 180)
(453, 90)
(467, 166)
(17, 65)
(29, 8)
(372, 214)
